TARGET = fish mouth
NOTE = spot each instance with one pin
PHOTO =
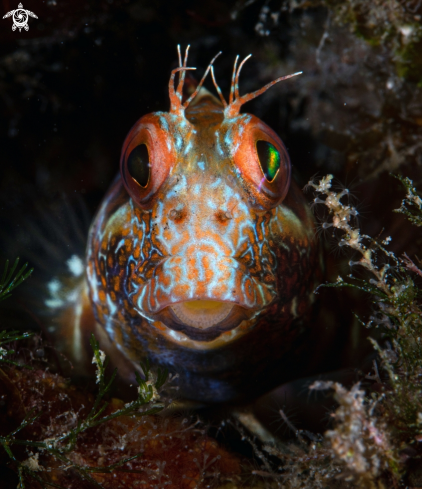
(203, 320)
(202, 314)
(201, 297)
(178, 279)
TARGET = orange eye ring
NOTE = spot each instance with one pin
(146, 140)
(268, 181)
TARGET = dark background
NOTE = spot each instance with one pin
(74, 84)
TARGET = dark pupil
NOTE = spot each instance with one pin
(269, 159)
(138, 165)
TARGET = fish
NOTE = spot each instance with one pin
(203, 256)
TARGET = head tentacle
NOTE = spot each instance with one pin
(182, 74)
(231, 98)
(176, 95)
(236, 101)
(195, 93)
(220, 94)
(176, 106)
(179, 54)
(236, 81)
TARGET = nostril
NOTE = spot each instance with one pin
(223, 216)
(176, 215)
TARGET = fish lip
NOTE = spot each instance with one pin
(231, 321)
(237, 299)
(211, 299)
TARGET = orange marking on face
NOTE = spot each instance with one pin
(181, 290)
(161, 296)
(209, 274)
(166, 280)
(116, 283)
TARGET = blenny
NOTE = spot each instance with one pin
(203, 256)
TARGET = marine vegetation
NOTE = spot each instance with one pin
(63, 437)
(377, 432)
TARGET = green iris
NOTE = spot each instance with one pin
(269, 159)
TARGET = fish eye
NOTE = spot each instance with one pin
(148, 154)
(269, 159)
(261, 161)
(138, 165)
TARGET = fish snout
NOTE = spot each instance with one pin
(182, 214)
